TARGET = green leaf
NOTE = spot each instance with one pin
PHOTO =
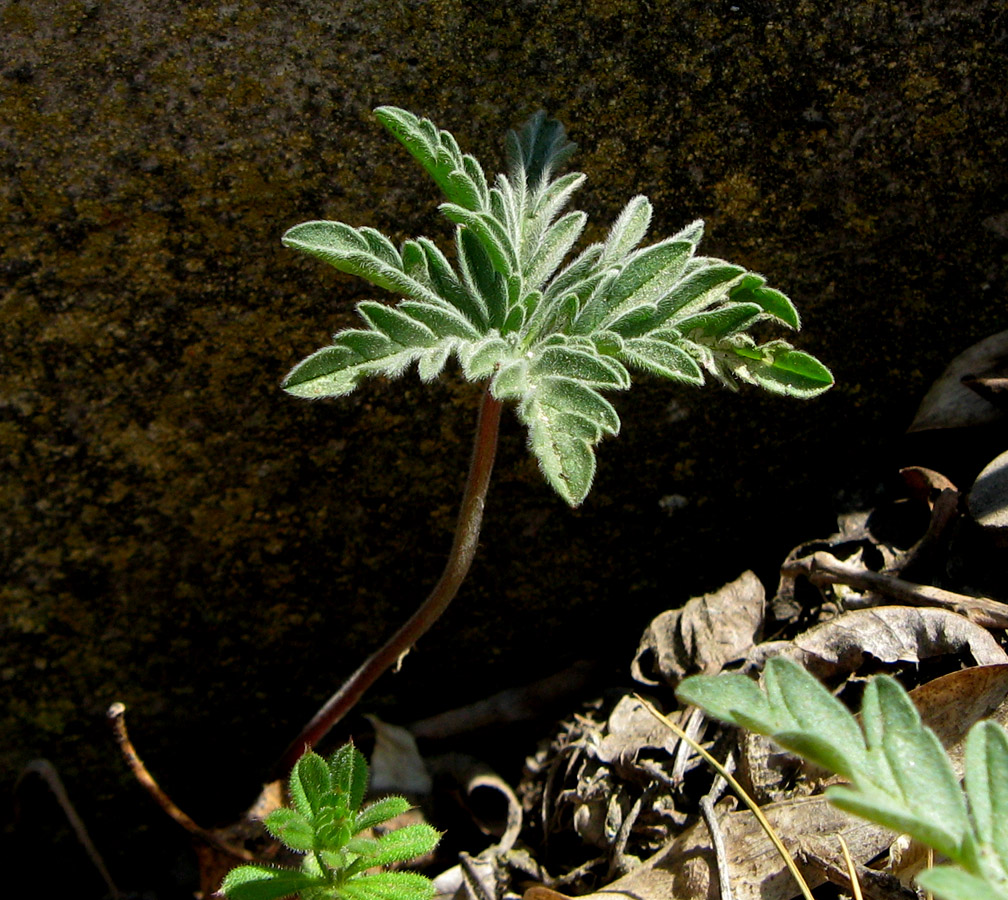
(564, 455)
(921, 770)
(627, 231)
(890, 812)
(440, 320)
(481, 277)
(387, 886)
(784, 370)
(265, 883)
(380, 811)
(396, 325)
(555, 245)
(401, 845)
(452, 289)
(349, 251)
(722, 696)
(828, 732)
(583, 365)
(309, 782)
(349, 771)
(568, 395)
(986, 768)
(950, 883)
(490, 234)
(752, 289)
(647, 277)
(704, 285)
(720, 322)
(660, 358)
(458, 177)
(291, 828)
(536, 150)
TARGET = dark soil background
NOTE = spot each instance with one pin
(178, 534)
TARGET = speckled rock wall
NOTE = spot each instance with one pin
(177, 533)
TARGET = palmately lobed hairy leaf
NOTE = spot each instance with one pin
(657, 309)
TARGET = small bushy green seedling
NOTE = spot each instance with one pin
(326, 823)
(899, 775)
(550, 339)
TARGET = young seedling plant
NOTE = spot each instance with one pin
(897, 771)
(327, 824)
(548, 334)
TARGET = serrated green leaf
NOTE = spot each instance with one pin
(380, 811)
(448, 286)
(291, 828)
(265, 883)
(660, 358)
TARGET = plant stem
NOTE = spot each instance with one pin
(463, 549)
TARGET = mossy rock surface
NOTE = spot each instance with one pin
(179, 534)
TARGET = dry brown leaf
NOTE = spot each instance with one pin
(631, 728)
(988, 498)
(889, 634)
(703, 636)
(949, 403)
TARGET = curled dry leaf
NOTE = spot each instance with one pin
(988, 499)
(951, 404)
(631, 729)
(889, 634)
(703, 636)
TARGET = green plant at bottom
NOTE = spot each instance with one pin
(548, 333)
(899, 775)
(327, 823)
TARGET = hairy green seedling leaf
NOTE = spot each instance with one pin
(899, 774)
(661, 309)
(326, 825)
